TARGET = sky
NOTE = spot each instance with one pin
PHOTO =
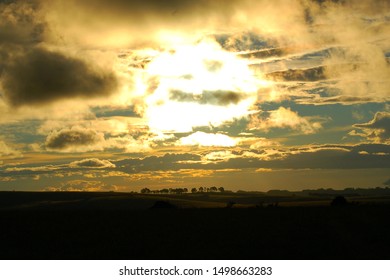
(242, 94)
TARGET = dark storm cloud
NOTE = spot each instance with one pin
(73, 137)
(33, 75)
(216, 97)
(40, 76)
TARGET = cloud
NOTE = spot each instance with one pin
(339, 99)
(284, 118)
(312, 157)
(38, 69)
(20, 23)
(74, 168)
(32, 170)
(6, 150)
(262, 143)
(250, 45)
(170, 176)
(335, 75)
(248, 158)
(378, 129)
(98, 135)
(182, 65)
(113, 126)
(338, 157)
(310, 74)
(190, 94)
(203, 139)
(217, 156)
(363, 156)
(92, 163)
(261, 170)
(40, 76)
(82, 186)
(360, 73)
(62, 31)
(345, 45)
(153, 20)
(168, 161)
(74, 139)
(217, 97)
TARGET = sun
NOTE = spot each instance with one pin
(198, 85)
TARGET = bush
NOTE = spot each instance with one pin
(339, 201)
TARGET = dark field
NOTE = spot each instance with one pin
(126, 226)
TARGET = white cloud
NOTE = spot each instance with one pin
(92, 163)
(284, 118)
(264, 142)
(207, 140)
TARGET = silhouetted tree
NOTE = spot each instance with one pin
(145, 190)
(179, 190)
(194, 190)
(201, 189)
(221, 189)
(213, 189)
(339, 201)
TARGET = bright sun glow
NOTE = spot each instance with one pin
(198, 85)
(200, 138)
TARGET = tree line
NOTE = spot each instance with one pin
(183, 190)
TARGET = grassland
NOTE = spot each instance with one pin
(126, 226)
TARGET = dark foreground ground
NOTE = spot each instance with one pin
(48, 231)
